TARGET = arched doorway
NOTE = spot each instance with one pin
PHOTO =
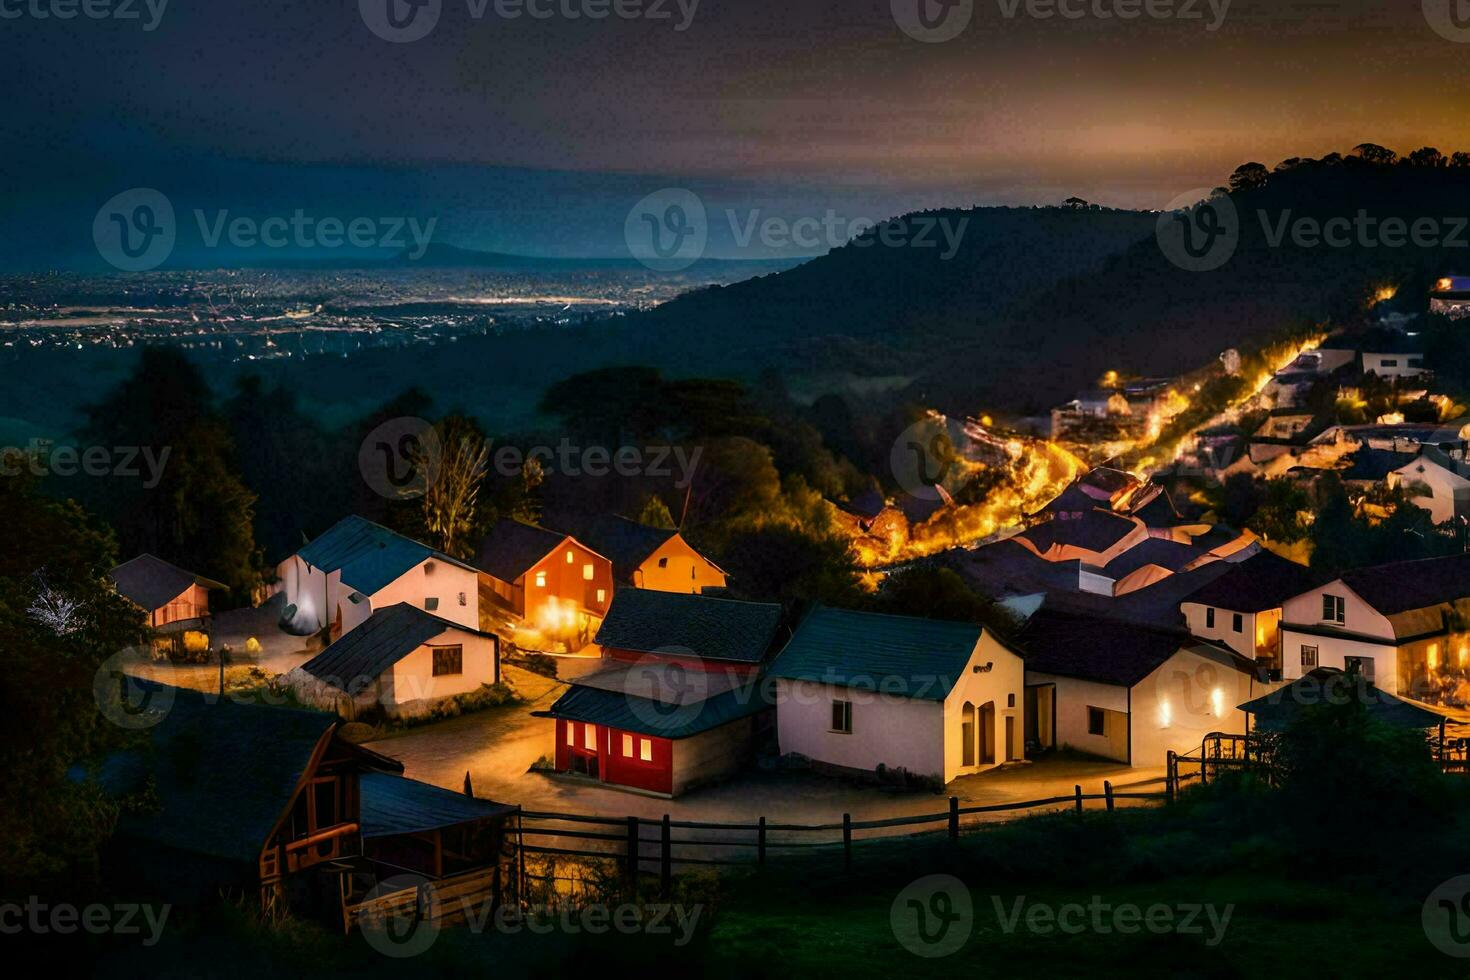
(987, 733)
(967, 734)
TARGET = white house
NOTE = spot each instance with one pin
(855, 691)
(1436, 484)
(1242, 608)
(1129, 692)
(402, 660)
(1402, 625)
(358, 567)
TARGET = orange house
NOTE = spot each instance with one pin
(652, 558)
(167, 593)
(550, 579)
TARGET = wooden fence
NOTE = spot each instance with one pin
(640, 845)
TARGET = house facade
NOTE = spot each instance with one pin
(550, 579)
(1242, 609)
(1435, 483)
(858, 691)
(652, 558)
(176, 601)
(338, 580)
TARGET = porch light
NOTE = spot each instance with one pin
(1166, 714)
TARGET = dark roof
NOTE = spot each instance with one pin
(1373, 465)
(900, 655)
(152, 582)
(1096, 530)
(1097, 649)
(1328, 686)
(394, 805)
(674, 623)
(1261, 582)
(650, 700)
(1159, 511)
(1155, 551)
(1110, 481)
(369, 556)
(868, 504)
(627, 544)
(224, 772)
(1405, 585)
(512, 548)
(386, 637)
(1074, 499)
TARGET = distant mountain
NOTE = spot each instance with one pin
(439, 255)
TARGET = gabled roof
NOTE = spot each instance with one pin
(627, 544)
(1162, 552)
(1095, 530)
(153, 583)
(512, 548)
(1373, 465)
(1405, 585)
(654, 700)
(679, 624)
(393, 805)
(1327, 686)
(369, 556)
(900, 655)
(1261, 582)
(1103, 650)
(224, 772)
(386, 637)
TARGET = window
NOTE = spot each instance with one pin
(571, 556)
(663, 563)
(587, 572)
(1097, 721)
(431, 603)
(1360, 665)
(589, 737)
(1239, 623)
(572, 733)
(1334, 609)
(842, 717)
(1209, 619)
(1390, 362)
(601, 596)
(448, 660)
(627, 746)
(645, 750)
(462, 601)
(1309, 656)
(540, 580)
(1010, 700)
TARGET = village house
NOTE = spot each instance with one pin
(176, 601)
(1435, 483)
(1277, 711)
(1126, 691)
(651, 558)
(1390, 354)
(1242, 608)
(678, 701)
(1451, 297)
(1403, 626)
(401, 661)
(865, 692)
(338, 580)
(550, 579)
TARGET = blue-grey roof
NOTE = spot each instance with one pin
(152, 583)
(394, 805)
(1328, 686)
(368, 555)
(674, 623)
(900, 655)
(386, 637)
(511, 548)
(645, 700)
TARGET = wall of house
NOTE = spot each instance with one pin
(1359, 618)
(1074, 697)
(614, 766)
(456, 588)
(307, 589)
(558, 590)
(1242, 642)
(1003, 685)
(684, 570)
(711, 756)
(1333, 651)
(899, 733)
(192, 603)
(1449, 493)
(1394, 365)
(1189, 696)
(415, 690)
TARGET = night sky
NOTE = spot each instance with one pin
(797, 103)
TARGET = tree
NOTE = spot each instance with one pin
(1427, 156)
(450, 507)
(940, 593)
(783, 563)
(1460, 159)
(655, 513)
(1376, 155)
(1249, 176)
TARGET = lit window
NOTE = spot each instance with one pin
(589, 736)
(627, 746)
(601, 596)
(572, 733)
(540, 580)
(570, 556)
(645, 750)
(842, 717)
(1432, 656)
(587, 572)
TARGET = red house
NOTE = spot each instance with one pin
(678, 702)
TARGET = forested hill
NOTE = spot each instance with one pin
(1040, 302)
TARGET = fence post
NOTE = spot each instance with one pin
(1171, 773)
(1079, 798)
(1108, 792)
(760, 843)
(954, 818)
(631, 870)
(666, 860)
(847, 842)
